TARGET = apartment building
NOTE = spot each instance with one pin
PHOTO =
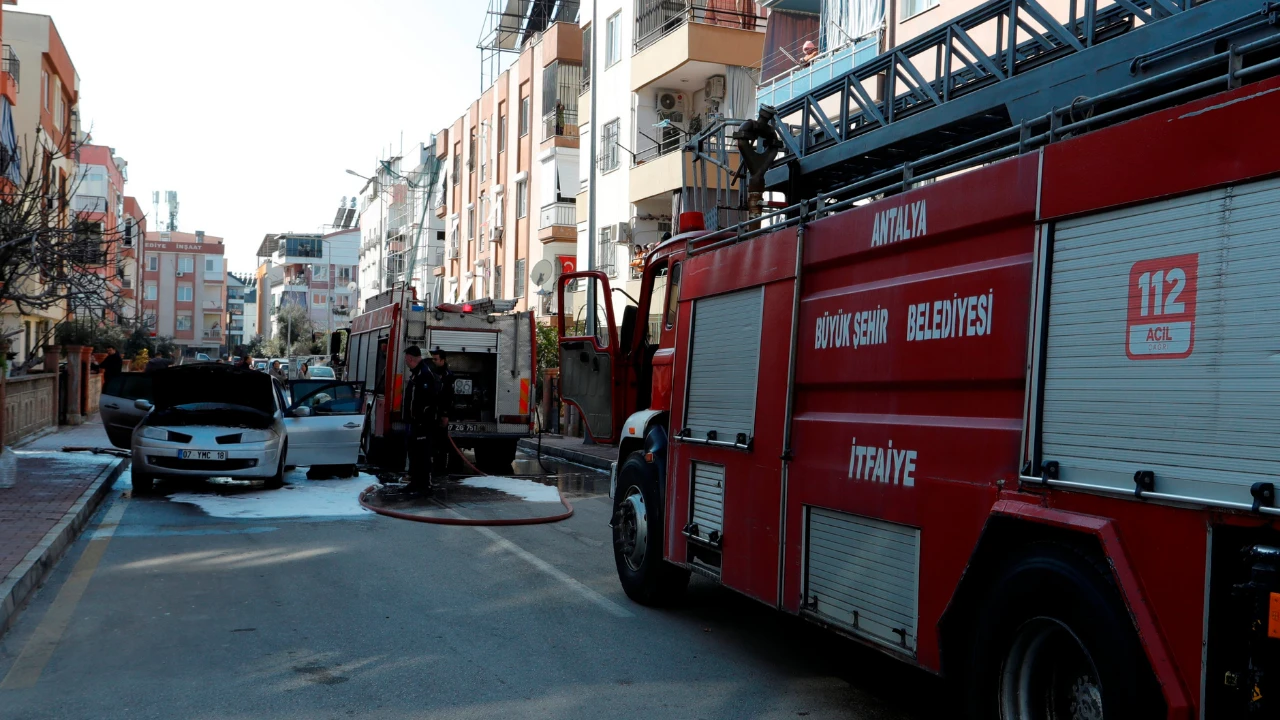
(250, 309)
(401, 240)
(667, 69)
(315, 271)
(45, 123)
(135, 229)
(97, 202)
(511, 169)
(234, 319)
(185, 289)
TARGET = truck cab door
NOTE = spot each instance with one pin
(591, 375)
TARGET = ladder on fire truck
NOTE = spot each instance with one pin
(835, 146)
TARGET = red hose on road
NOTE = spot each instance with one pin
(568, 513)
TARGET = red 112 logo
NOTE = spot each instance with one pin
(1162, 308)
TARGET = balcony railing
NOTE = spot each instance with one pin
(560, 124)
(88, 204)
(212, 305)
(213, 334)
(655, 19)
(12, 66)
(559, 214)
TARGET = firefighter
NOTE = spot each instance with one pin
(439, 368)
(419, 408)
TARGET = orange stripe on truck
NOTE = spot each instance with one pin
(524, 396)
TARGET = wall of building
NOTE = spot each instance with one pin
(174, 253)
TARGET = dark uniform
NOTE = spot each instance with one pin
(443, 378)
(419, 407)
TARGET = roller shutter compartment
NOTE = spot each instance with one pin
(724, 366)
(1163, 347)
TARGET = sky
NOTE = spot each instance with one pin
(253, 111)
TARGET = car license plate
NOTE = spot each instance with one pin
(202, 454)
(465, 427)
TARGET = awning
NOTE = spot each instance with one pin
(9, 142)
(567, 174)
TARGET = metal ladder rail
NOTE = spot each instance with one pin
(952, 44)
(1027, 136)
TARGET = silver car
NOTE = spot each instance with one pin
(218, 420)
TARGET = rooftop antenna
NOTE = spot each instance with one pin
(171, 198)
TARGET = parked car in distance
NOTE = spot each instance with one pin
(211, 420)
(202, 357)
(321, 372)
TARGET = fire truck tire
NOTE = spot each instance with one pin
(1053, 640)
(637, 537)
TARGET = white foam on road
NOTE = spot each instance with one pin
(524, 489)
(300, 498)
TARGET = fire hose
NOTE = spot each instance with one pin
(461, 520)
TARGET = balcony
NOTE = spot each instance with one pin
(213, 334)
(212, 306)
(11, 66)
(559, 221)
(800, 79)
(563, 124)
(669, 34)
(88, 204)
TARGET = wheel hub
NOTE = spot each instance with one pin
(1048, 674)
(631, 531)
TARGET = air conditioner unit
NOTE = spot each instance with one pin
(181, 274)
(622, 233)
(453, 253)
(715, 87)
(495, 234)
(672, 105)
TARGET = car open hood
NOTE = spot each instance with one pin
(212, 384)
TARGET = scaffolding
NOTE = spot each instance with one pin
(509, 24)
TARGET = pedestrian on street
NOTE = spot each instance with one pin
(444, 383)
(244, 363)
(303, 370)
(112, 365)
(277, 371)
(420, 410)
(161, 361)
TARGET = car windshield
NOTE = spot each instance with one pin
(320, 373)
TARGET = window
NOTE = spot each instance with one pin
(320, 273)
(673, 296)
(186, 264)
(586, 58)
(184, 293)
(497, 282)
(613, 39)
(911, 8)
(318, 298)
(153, 263)
(519, 278)
(471, 223)
(58, 110)
(609, 154)
(605, 252)
(46, 90)
(522, 198)
(184, 321)
(502, 127)
(210, 265)
(457, 163)
(524, 115)
(484, 151)
(344, 274)
(471, 152)
(151, 292)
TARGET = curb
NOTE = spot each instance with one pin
(31, 572)
(575, 456)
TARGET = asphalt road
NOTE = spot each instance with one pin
(209, 602)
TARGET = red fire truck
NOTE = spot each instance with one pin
(1015, 426)
(490, 351)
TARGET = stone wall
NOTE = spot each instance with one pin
(95, 389)
(28, 405)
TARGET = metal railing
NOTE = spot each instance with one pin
(655, 19)
(213, 334)
(89, 204)
(561, 124)
(11, 64)
(560, 214)
(208, 305)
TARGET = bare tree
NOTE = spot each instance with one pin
(54, 253)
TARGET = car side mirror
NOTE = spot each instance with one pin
(300, 412)
(143, 405)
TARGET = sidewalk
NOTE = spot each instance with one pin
(572, 449)
(55, 494)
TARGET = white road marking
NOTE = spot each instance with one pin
(587, 593)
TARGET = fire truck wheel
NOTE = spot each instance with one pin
(637, 537)
(1054, 641)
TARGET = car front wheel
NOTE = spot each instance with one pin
(277, 481)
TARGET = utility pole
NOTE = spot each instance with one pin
(591, 190)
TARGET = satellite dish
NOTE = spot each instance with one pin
(543, 274)
(352, 287)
